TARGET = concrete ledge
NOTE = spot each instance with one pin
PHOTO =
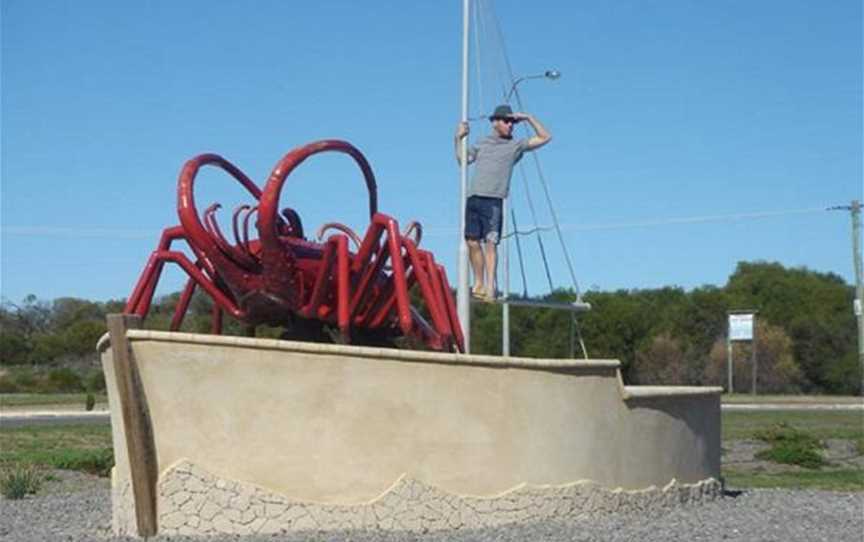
(657, 392)
(362, 351)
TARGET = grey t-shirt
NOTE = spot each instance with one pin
(493, 158)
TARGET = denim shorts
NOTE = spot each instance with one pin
(483, 219)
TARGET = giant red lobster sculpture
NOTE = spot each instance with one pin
(282, 279)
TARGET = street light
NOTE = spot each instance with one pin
(548, 74)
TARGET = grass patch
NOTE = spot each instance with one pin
(97, 461)
(85, 448)
(47, 399)
(820, 424)
(747, 398)
(830, 480)
(19, 481)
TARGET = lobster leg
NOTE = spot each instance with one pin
(386, 304)
(343, 288)
(431, 269)
(451, 310)
(139, 303)
(363, 289)
(219, 297)
(310, 310)
(216, 319)
(183, 305)
(406, 321)
(435, 309)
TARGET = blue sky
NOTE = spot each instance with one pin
(667, 109)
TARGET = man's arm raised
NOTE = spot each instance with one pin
(542, 135)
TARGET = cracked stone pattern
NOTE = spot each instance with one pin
(191, 501)
(122, 505)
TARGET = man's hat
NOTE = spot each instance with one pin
(501, 112)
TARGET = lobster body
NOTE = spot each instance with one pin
(283, 279)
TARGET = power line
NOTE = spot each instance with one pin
(441, 230)
(78, 232)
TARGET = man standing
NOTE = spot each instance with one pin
(494, 157)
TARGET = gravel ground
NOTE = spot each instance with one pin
(78, 508)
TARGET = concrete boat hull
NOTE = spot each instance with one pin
(324, 427)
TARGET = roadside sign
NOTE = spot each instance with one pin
(740, 327)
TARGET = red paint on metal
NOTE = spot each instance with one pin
(280, 278)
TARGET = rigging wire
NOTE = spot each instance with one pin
(540, 175)
(519, 251)
(544, 184)
(525, 183)
(477, 57)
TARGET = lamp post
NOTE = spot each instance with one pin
(548, 74)
(505, 307)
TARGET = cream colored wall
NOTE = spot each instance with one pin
(340, 424)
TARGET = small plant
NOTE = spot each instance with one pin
(98, 461)
(18, 482)
(90, 402)
(791, 446)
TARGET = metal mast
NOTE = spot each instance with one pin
(463, 299)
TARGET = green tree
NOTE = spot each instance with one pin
(814, 308)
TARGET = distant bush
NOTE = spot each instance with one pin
(64, 380)
(89, 402)
(14, 349)
(95, 382)
(57, 380)
(8, 385)
(777, 370)
(18, 482)
(662, 361)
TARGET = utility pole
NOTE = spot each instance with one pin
(855, 210)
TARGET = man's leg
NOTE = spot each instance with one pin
(474, 231)
(493, 235)
(475, 252)
(491, 257)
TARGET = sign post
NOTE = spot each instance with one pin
(742, 327)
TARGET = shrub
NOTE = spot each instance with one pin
(791, 446)
(18, 482)
(90, 402)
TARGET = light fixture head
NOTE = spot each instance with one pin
(552, 74)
